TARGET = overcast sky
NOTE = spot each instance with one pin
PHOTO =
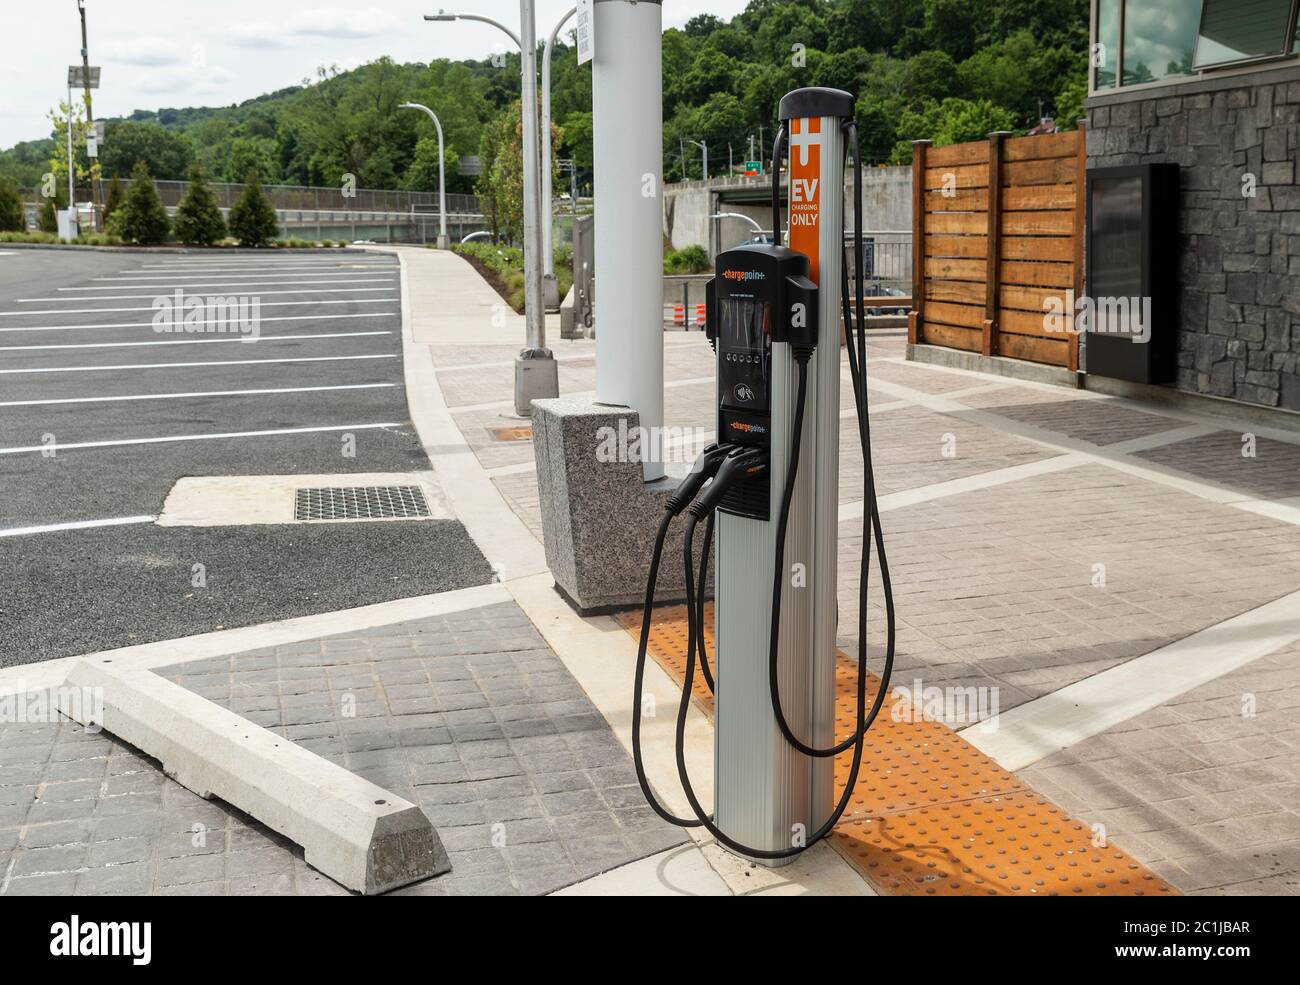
(173, 53)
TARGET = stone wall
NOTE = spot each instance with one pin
(1240, 254)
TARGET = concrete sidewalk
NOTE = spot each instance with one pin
(1041, 540)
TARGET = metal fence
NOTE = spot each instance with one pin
(887, 259)
(286, 197)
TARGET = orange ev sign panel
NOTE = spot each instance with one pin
(805, 191)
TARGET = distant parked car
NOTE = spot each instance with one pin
(879, 290)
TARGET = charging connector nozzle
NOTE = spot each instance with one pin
(739, 465)
(704, 469)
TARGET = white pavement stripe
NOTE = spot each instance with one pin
(118, 521)
(309, 268)
(1056, 721)
(226, 283)
(238, 339)
(970, 483)
(219, 362)
(196, 394)
(277, 265)
(145, 277)
(118, 442)
(153, 307)
(260, 293)
(149, 324)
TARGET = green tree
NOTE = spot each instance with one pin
(141, 218)
(198, 218)
(579, 140)
(48, 216)
(247, 154)
(11, 207)
(953, 121)
(501, 184)
(167, 154)
(252, 218)
(113, 201)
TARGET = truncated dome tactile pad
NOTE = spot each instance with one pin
(931, 815)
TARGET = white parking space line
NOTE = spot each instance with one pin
(119, 442)
(151, 307)
(134, 297)
(219, 362)
(117, 521)
(237, 340)
(225, 283)
(145, 276)
(194, 394)
(288, 266)
(149, 324)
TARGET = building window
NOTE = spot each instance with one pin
(1136, 42)
(1235, 31)
(1159, 39)
(1105, 57)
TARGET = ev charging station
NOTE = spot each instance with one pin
(767, 493)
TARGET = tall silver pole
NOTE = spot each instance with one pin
(535, 369)
(442, 174)
(72, 190)
(627, 126)
(548, 248)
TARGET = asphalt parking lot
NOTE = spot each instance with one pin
(101, 412)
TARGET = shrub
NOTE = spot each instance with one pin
(252, 218)
(141, 218)
(690, 260)
(198, 219)
(114, 200)
(11, 207)
(49, 216)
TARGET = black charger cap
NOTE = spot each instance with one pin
(815, 101)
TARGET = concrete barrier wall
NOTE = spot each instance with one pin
(887, 204)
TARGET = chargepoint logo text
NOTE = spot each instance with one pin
(102, 939)
(743, 275)
(234, 314)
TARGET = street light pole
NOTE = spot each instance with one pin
(90, 114)
(704, 148)
(72, 189)
(442, 175)
(551, 287)
(536, 373)
(440, 16)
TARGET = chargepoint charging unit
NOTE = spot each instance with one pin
(768, 493)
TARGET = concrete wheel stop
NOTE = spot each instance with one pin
(355, 832)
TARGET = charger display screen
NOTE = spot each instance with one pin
(745, 324)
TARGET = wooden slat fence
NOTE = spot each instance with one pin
(997, 231)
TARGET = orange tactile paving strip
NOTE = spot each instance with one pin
(932, 815)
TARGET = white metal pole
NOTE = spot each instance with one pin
(548, 248)
(535, 369)
(442, 188)
(72, 191)
(442, 175)
(627, 112)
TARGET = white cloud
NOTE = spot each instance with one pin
(187, 80)
(336, 23)
(143, 51)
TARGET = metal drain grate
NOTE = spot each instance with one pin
(360, 503)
